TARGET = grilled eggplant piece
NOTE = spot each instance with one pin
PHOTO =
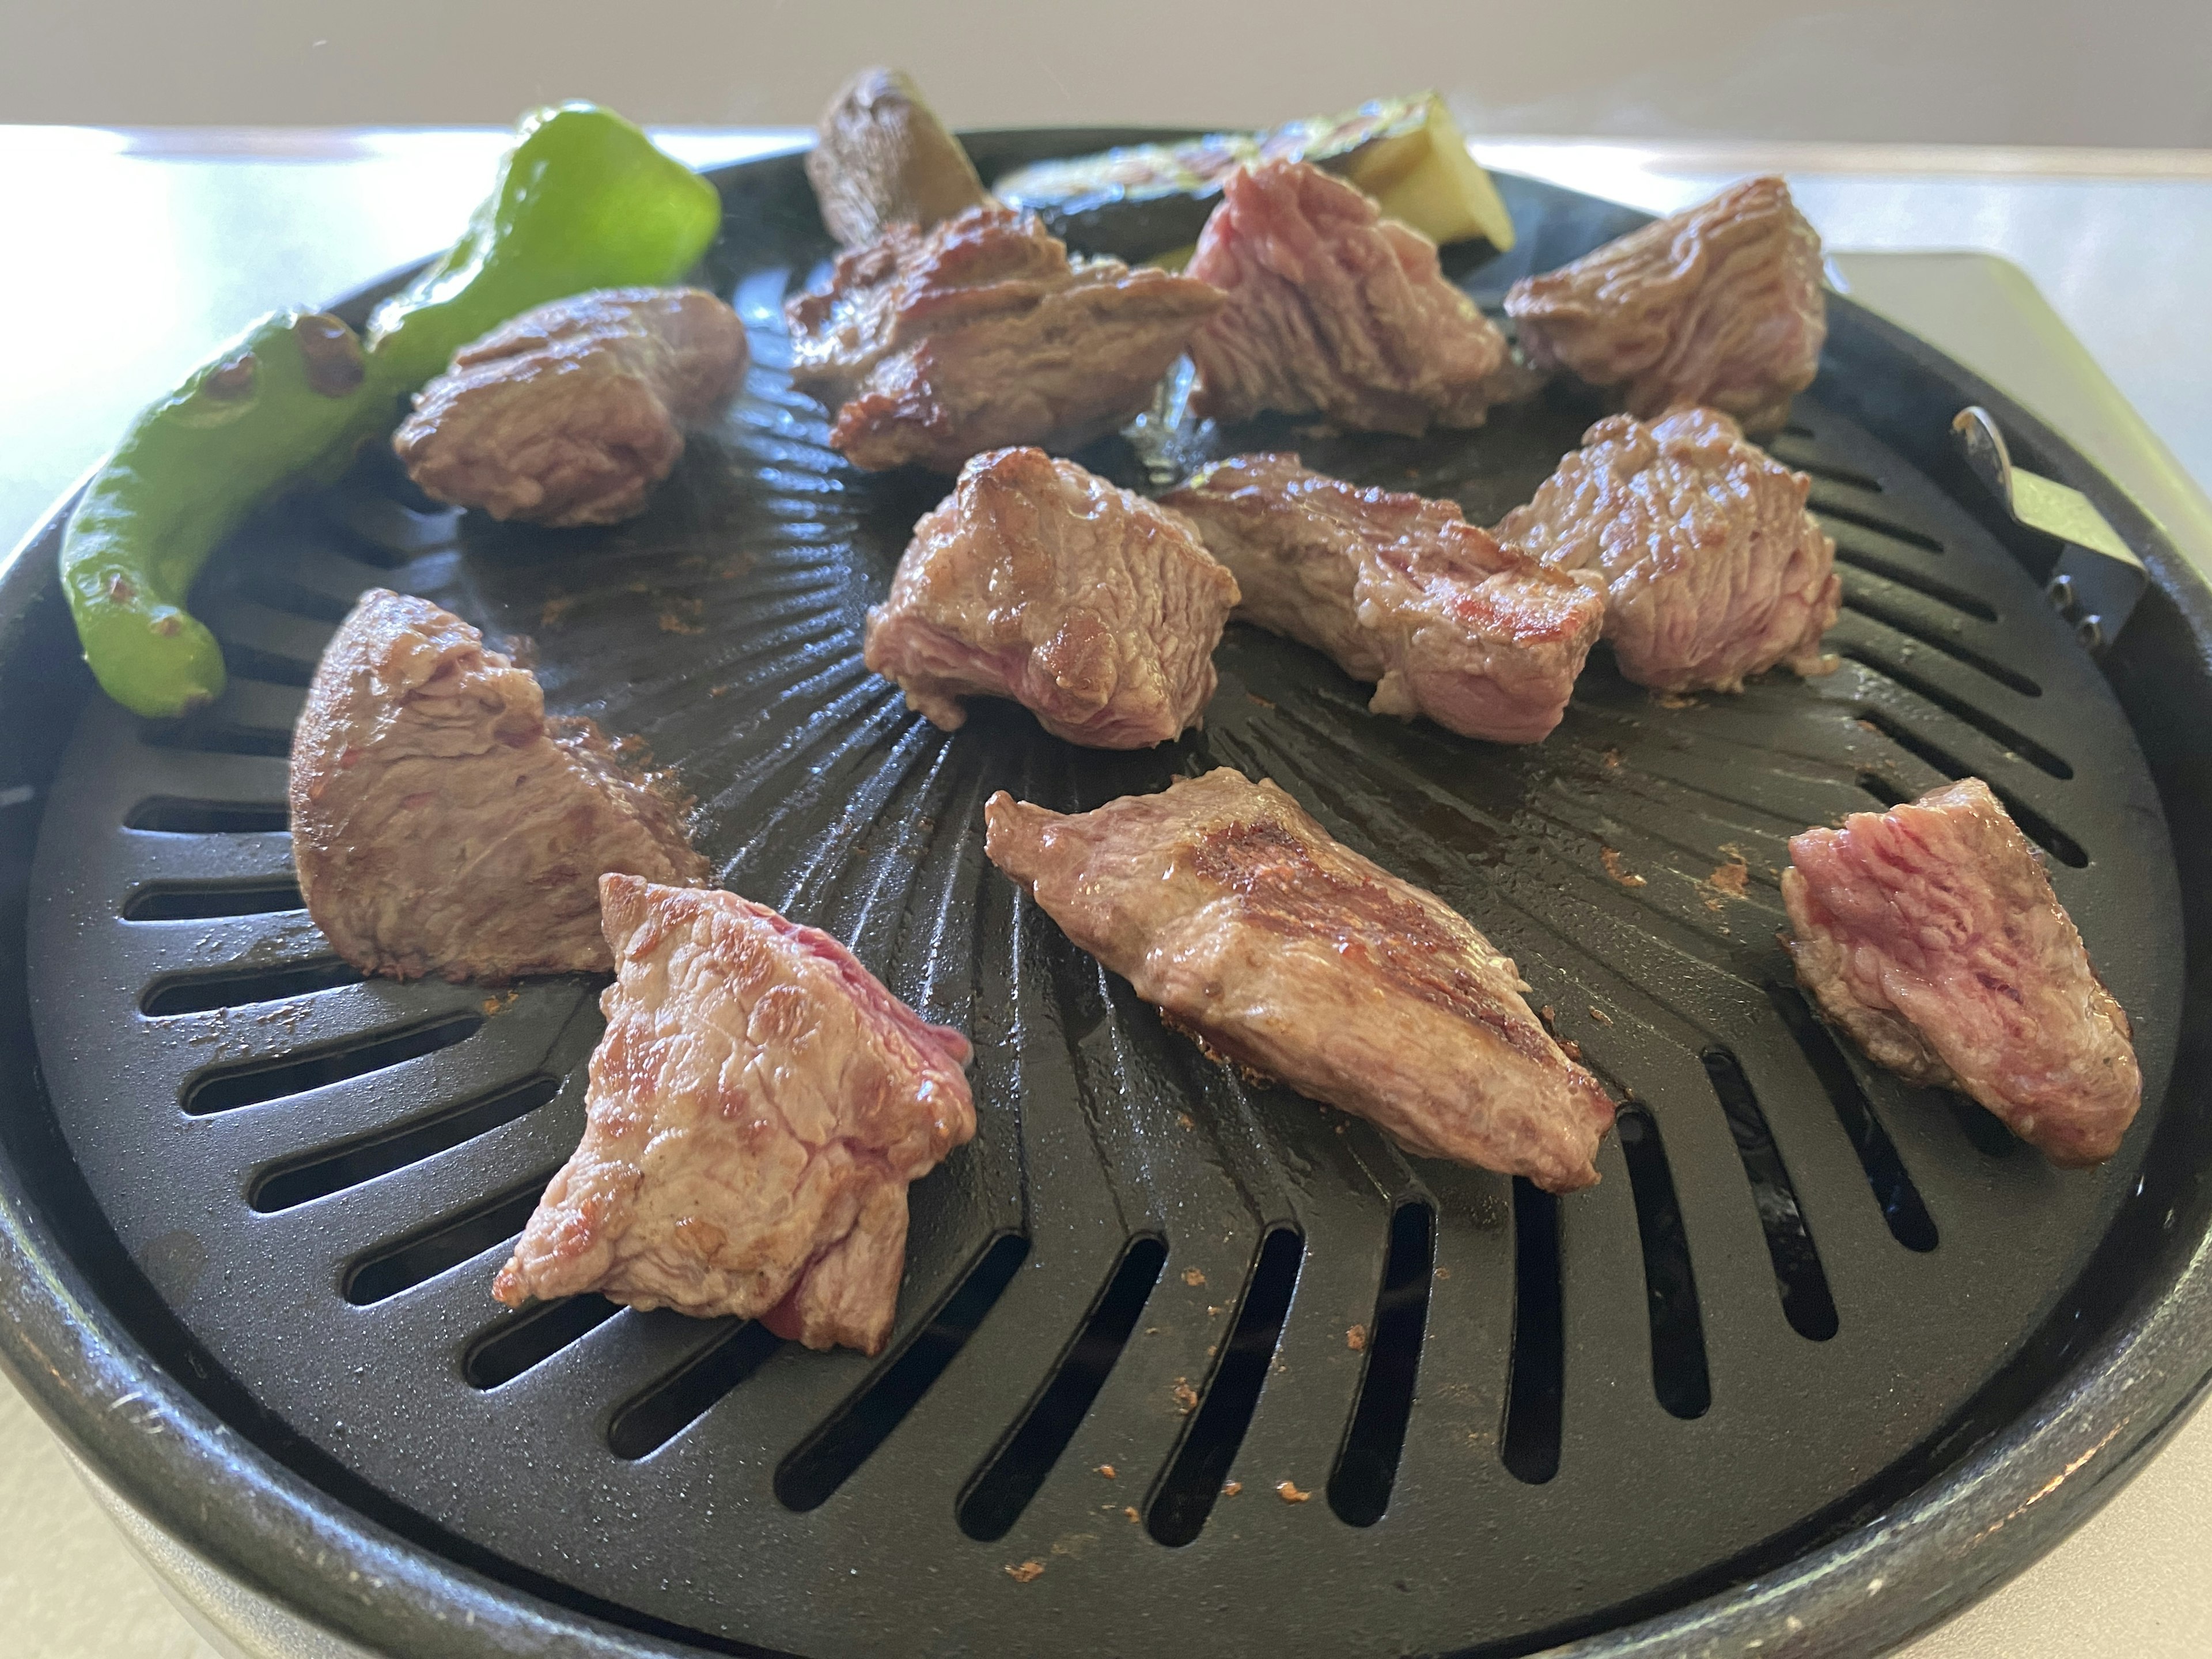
(881, 157)
(1146, 200)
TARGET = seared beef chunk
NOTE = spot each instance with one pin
(980, 333)
(571, 413)
(881, 158)
(1930, 934)
(1335, 308)
(1720, 305)
(1035, 580)
(442, 824)
(1711, 567)
(1233, 912)
(756, 1108)
(1401, 590)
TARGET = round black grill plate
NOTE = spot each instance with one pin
(1500, 1417)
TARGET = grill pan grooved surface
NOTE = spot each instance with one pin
(193, 1058)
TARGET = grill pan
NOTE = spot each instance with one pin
(1821, 1358)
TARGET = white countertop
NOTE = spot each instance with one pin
(135, 253)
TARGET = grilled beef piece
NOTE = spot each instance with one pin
(443, 824)
(1232, 911)
(940, 344)
(1711, 568)
(1401, 590)
(881, 158)
(571, 413)
(1930, 934)
(756, 1108)
(1094, 608)
(1719, 305)
(1335, 308)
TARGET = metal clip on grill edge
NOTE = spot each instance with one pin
(2097, 580)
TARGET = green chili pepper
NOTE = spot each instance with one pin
(583, 201)
(288, 392)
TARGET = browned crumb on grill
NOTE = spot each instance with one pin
(1186, 1396)
(1614, 868)
(1132, 1513)
(1289, 1493)
(1356, 1339)
(1028, 1572)
(1107, 1469)
(1599, 1015)
(1193, 1277)
(1672, 700)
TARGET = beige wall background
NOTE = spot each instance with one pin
(2089, 72)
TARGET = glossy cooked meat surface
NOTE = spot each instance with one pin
(570, 414)
(1334, 308)
(1232, 911)
(881, 158)
(1400, 590)
(1930, 934)
(1035, 579)
(982, 333)
(1711, 566)
(756, 1109)
(441, 823)
(1720, 304)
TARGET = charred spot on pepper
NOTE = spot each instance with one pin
(331, 353)
(233, 378)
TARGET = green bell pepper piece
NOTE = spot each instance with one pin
(583, 201)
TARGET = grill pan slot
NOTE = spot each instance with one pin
(223, 1089)
(644, 1424)
(401, 1266)
(1806, 1302)
(334, 1170)
(2033, 824)
(1002, 1489)
(1360, 1485)
(169, 816)
(1185, 1493)
(207, 901)
(1679, 1380)
(194, 993)
(830, 1456)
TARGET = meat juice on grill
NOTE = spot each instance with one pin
(980, 333)
(571, 413)
(1711, 566)
(1930, 934)
(1334, 308)
(1232, 911)
(756, 1111)
(1720, 304)
(1035, 579)
(1398, 590)
(442, 823)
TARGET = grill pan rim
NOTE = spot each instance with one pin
(262, 1521)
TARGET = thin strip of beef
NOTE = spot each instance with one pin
(1232, 911)
(980, 333)
(1710, 566)
(881, 157)
(1930, 934)
(1334, 308)
(571, 413)
(1400, 590)
(756, 1110)
(1720, 304)
(1035, 579)
(443, 824)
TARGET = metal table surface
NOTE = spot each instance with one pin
(2073, 279)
